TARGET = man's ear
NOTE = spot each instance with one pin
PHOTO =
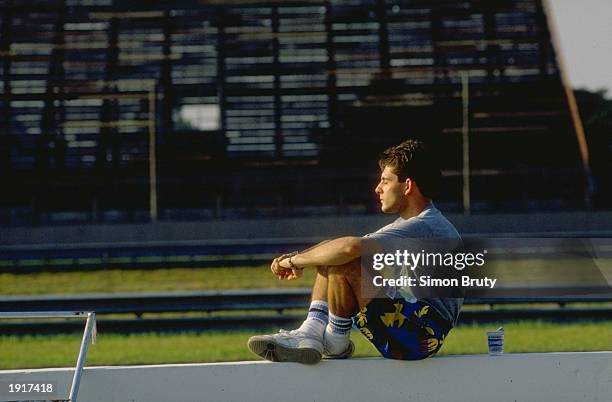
(409, 186)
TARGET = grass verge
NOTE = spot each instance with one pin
(112, 349)
(145, 280)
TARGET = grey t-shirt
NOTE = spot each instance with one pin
(429, 224)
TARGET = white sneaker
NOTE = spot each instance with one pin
(287, 346)
(350, 349)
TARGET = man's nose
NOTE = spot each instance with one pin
(377, 189)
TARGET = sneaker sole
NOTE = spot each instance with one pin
(344, 355)
(274, 352)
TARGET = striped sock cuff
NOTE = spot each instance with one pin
(319, 310)
(339, 325)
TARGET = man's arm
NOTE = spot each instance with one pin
(315, 246)
(333, 252)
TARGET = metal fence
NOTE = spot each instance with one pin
(266, 308)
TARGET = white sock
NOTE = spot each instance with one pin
(337, 334)
(316, 321)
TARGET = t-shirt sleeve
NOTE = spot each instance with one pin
(412, 228)
(398, 236)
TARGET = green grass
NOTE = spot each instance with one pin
(111, 349)
(195, 279)
(61, 351)
(145, 280)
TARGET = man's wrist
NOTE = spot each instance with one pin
(293, 264)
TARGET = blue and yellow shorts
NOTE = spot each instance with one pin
(402, 330)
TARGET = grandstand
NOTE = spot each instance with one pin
(118, 111)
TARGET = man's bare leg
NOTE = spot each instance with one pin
(319, 289)
(344, 294)
(345, 299)
(318, 312)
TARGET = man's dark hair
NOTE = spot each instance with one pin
(413, 159)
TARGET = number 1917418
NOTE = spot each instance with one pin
(27, 388)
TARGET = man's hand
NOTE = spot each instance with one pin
(333, 252)
(282, 269)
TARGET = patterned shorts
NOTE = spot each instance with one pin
(402, 330)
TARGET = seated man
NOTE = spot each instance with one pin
(400, 326)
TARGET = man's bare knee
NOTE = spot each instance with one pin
(351, 268)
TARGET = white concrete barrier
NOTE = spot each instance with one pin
(534, 377)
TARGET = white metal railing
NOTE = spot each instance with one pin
(89, 334)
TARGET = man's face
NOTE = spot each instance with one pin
(391, 192)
